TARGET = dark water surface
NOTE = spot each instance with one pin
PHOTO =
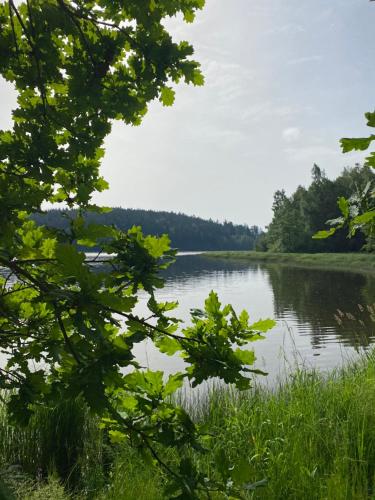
(324, 318)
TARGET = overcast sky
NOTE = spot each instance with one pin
(285, 79)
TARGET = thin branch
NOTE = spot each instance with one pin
(35, 55)
(159, 460)
(12, 374)
(79, 29)
(154, 327)
(10, 292)
(19, 271)
(96, 21)
(65, 335)
(14, 32)
(144, 437)
(18, 334)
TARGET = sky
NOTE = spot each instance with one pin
(285, 80)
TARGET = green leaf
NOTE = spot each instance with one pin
(189, 16)
(117, 437)
(101, 184)
(370, 119)
(70, 259)
(198, 78)
(358, 144)
(116, 302)
(48, 247)
(167, 345)
(263, 325)
(149, 382)
(321, 235)
(90, 235)
(157, 246)
(129, 402)
(167, 96)
(343, 204)
(174, 382)
(370, 160)
(246, 357)
(364, 218)
(212, 304)
(26, 310)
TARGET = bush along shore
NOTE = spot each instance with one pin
(311, 437)
(361, 262)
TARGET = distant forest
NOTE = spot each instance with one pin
(186, 232)
(297, 217)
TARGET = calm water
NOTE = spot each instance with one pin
(304, 303)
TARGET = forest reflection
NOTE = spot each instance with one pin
(328, 301)
(327, 306)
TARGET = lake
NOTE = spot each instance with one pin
(324, 318)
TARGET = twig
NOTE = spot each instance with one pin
(65, 335)
(35, 55)
(14, 32)
(156, 328)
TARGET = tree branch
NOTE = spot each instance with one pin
(35, 55)
(65, 335)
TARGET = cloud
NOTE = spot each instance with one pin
(291, 134)
(269, 109)
(287, 29)
(222, 136)
(313, 153)
(229, 80)
(303, 60)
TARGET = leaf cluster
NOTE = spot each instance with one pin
(298, 217)
(357, 212)
(67, 321)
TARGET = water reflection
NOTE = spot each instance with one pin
(324, 316)
(328, 306)
(305, 302)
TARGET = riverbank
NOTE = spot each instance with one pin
(360, 262)
(313, 437)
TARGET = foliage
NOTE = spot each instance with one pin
(298, 217)
(68, 328)
(358, 210)
(185, 232)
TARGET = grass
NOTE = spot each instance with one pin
(63, 442)
(312, 437)
(362, 262)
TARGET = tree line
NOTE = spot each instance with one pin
(298, 217)
(186, 232)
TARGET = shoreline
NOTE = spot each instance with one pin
(352, 262)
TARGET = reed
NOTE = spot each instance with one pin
(312, 436)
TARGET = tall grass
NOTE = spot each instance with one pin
(312, 437)
(63, 441)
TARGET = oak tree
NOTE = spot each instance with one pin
(67, 325)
